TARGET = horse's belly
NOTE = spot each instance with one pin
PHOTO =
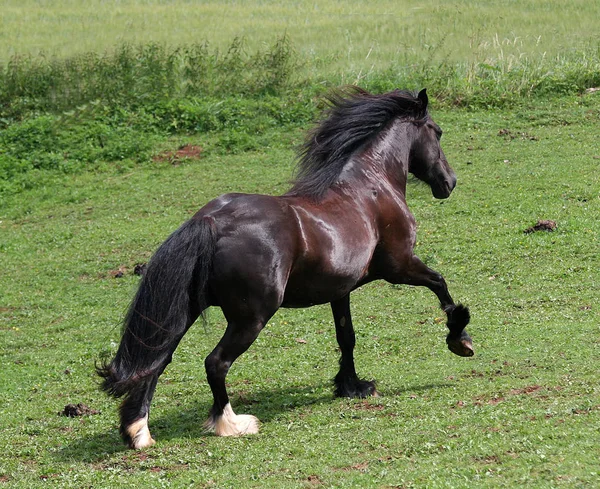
(317, 287)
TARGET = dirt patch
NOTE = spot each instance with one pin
(186, 152)
(118, 273)
(542, 225)
(76, 410)
(489, 459)
(360, 467)
(481, 400)
(367, 406)
(530, 389)
(140, 269)
(314, 480)
(508, 134)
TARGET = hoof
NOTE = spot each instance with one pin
(231, 424)
(462, 348)
(137, 434)
(355, 388)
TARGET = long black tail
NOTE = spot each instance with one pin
(170, 297)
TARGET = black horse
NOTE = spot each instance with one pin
(343, 224)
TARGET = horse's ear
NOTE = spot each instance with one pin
(423, 98)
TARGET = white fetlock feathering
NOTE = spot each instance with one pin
(231, 424)
(140, 434)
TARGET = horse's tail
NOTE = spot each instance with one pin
(171, 295)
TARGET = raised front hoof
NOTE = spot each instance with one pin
(458, 317)
(462, 347)
(137, 435)
(355, 388)
(231, 424)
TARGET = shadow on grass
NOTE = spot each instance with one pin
(92, 448)
(177, 423)
(266, 405)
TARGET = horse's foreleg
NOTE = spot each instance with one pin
(223, 421)
(458, 340)
(347, 383)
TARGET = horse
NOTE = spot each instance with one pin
(343, 223)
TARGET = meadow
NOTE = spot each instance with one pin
(105, 148)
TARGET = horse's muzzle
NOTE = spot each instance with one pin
(444, 188)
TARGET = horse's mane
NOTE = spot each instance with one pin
(353, 119)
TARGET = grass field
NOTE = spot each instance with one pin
(89, 190)
(352, 39)
(525, 410)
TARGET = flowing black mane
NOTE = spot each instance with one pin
(353, 119)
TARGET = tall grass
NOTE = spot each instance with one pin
(139, 75)
(82, 111)
(343, 34)
(143, 74)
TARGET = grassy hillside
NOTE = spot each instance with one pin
(523, 411)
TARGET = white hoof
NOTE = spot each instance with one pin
(140, 434)
(231, 424)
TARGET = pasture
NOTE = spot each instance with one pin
(343, 37)
(88, 192)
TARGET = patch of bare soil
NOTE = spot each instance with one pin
(139, 269)
(508, 134)
(186, 152)
(360, 467)
(118, 273)
(488, 459)
(76, 410)
(367, 406)
(314, 480)
(542, 225)
(530, 389)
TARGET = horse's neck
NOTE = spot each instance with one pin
(381, 168)
(385, 161)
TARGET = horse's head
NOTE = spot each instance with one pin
(427, 161)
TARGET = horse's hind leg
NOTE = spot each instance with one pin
(135, 408)
(237, 339)
(347, 383)
(135, 411)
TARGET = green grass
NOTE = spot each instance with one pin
(468, 53)
(91, 97)
(347, 37)
(525, 411)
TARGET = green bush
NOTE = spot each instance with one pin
(135, 76)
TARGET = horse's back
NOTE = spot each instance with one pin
(291, 250)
